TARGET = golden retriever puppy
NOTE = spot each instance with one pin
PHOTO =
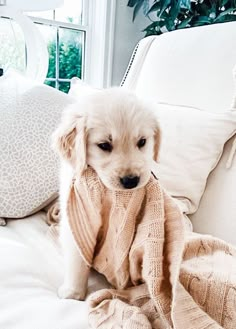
(116, 134)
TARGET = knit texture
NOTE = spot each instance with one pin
(163, 277)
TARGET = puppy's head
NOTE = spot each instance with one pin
(113, 132)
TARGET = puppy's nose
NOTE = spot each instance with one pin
(129, 181)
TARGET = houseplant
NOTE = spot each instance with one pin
(169, 15)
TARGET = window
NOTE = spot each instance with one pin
(79, 37)
(65, 35)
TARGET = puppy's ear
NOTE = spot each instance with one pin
(64, 140)
(69, 140)
(81, 147)
(157, 142)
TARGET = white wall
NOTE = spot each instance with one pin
(127, 35)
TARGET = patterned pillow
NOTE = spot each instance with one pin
(29, 114)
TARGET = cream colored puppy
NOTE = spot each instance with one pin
(118, 136)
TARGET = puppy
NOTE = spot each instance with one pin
(116, 134)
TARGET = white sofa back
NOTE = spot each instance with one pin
(194, 67)
(191, 67)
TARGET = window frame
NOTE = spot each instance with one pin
(100, 42)
(57, 25)
(98, 25)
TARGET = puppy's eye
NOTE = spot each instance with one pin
(107, 147)
(141, 142)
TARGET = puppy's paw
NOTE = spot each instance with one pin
(66, 292)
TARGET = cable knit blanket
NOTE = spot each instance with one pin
(162, 277)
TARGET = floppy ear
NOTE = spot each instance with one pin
(81, 147)
(157, 142)
(69, 140)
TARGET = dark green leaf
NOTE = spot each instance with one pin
(186, 4)
(224, 2)
(184, 23)
(151, 26)
(165, 5)
(174, 10)
(170, 24)
(202, 20)
(146, 6)
(226, 18)
(133, 3)
(201, 9)
(226, 12)
(155, 7)
(154, 28)
(136, 9)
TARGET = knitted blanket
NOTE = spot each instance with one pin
(162, 277)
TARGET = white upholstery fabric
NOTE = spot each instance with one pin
(31, 272)
(192, 143)
(29, 113)
(216, 214)
(191, 67)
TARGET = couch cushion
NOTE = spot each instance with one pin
(191, 67)
(29, 114)
(31, 273)
(216, 214)
(192, 143)
(217, 210)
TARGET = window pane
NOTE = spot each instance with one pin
(12, 50)
(50, 83)
(70, 12)
(64, 86)
(71, 43)
(49, 34)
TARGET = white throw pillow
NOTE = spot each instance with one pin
(192, 143)
(29, 113)
(216, 214)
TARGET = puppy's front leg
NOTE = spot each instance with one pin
(76, 270)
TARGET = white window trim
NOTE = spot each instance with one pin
(99, 25)
(100, 42)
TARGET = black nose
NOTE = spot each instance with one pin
(129, 181)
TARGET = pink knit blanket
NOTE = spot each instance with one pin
(162, 276)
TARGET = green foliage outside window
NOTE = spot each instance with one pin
(169, 15)
(70, 58)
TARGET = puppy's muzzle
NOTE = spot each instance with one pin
(129, 181)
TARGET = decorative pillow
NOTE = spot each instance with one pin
(192, 144)
(217, 210)
(29, 114)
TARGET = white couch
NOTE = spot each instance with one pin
(195, 68)
(191, 67)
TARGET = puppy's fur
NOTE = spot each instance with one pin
(118, 136)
